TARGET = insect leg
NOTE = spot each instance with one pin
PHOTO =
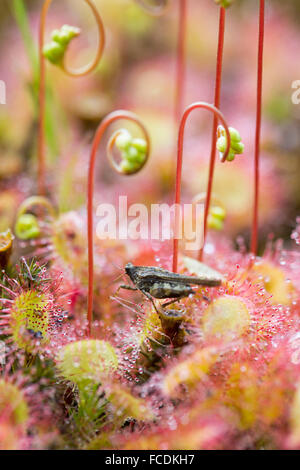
(127, 288)
(174, 300)
(143, 292)
(150, 298)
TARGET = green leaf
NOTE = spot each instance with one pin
(20, 14)
(21, 17)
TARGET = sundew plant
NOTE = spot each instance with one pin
(149, 225)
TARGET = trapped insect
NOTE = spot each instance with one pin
(159, 283)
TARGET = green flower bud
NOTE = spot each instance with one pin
(218, 212)
(141, 157)
(238, 147)
(124, 155)
(234, 135)
(67, 33)
(128, 167)
(124, 140)
(216, 218)
(64, 38)
(215, 223)
(140, 144)
(54, 52)
(231, 156)
(72, 30)
(132, 154)
(55, 35)
(133, 151)
(221, 144)
(27, 227)
(61, 38)
(224, 3)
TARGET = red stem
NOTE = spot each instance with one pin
(217, 99)
(254, 237)
(112, 117)
(219, 116)
(42, 103)
(181, 59)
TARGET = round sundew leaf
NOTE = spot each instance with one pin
(275, 282)
(150, 329)
(190, 371)
(12, 399)
(127, 405)
(29, 319)
(226, 318)
(68, 240)
(87, 361)
(243, 393)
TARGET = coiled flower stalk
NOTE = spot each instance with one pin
(55, 52)
(134, 156)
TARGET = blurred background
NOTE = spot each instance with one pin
(137, 72)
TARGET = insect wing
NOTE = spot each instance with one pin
(208, 277)
(203, 272)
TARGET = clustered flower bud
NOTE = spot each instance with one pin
(27, 227)
(224, 3)
(61, 38)
(216, 218)
(133, 151)
(236, 145)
